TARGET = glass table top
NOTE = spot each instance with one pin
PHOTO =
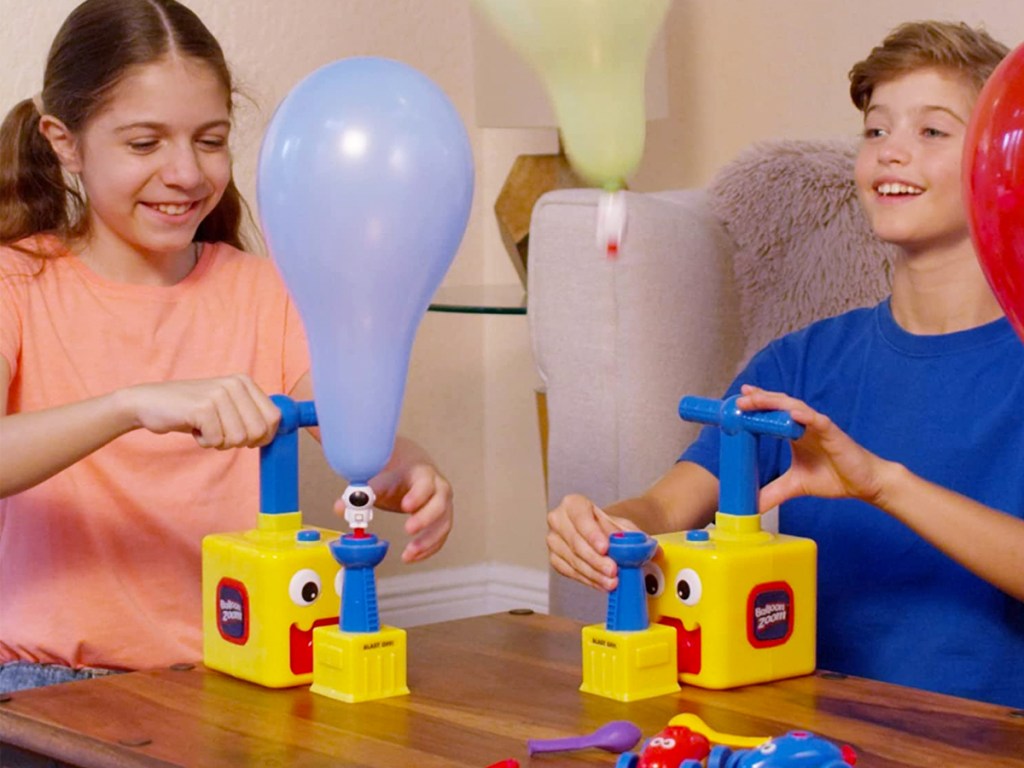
(480, 299)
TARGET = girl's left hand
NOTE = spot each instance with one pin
(418, 489)
(826, 461)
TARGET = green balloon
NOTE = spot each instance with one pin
(592, 58)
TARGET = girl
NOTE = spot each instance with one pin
(134, 332)
(920, 554)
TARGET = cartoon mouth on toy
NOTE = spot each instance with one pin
(300, 644)
(687, 645)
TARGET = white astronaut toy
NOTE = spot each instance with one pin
(359, 500)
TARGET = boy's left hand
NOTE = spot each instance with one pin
(826, 461)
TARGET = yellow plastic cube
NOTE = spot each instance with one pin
(743, 602)
(264, 591)
(359, 666)
(628, 666)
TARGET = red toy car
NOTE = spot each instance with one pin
(668, 749)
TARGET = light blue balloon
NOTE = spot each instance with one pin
(364, 184)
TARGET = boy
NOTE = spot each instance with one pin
(918, 585)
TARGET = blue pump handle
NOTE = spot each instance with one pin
(737, 478)
(279, 459)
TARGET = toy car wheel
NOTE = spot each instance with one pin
(627, 760)
(718, 757)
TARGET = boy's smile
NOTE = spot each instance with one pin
(908, 167)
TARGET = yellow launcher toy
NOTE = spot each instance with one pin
(265, 590)
(743, 601)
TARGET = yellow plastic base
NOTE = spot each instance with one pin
(359, 666)
(264, 591)
(745, 598)
(628, 666)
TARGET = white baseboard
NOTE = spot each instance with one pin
(458, 593)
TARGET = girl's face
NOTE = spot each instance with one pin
(908, 167)
(154, 161)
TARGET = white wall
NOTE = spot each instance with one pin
(740, 71)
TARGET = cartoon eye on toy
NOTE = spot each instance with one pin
(688, 587)
(304, 587)
(654, 580)
(664, 742)
(339, 579)
(768, 748)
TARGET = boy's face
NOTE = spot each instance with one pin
(908, 167)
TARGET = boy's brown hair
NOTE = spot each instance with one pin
(971, 53)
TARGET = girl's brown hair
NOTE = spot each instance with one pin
(99, 42)
(971, 53)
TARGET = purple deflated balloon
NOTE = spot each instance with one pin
(616, 736)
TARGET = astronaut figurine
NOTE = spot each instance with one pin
(358, 658)
(359, 500)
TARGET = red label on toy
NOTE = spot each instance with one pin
(770, 614)
(233, 611)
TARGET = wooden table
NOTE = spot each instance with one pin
(480, 688)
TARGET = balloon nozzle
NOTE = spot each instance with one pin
(611, 222)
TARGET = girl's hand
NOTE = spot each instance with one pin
(578, 533)
(826, 461)
(226, 412)
(412, 485)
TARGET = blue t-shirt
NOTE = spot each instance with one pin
(950, 408)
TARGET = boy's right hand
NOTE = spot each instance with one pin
(577, 540)
(225, 412)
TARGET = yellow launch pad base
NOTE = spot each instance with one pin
(264, 591)
(743, 601)
(629, 666)
(359, 666)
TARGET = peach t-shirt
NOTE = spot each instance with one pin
(100, 564)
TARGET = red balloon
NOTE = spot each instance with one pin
(993, 184)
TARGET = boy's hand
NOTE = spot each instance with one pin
(826, 461)
(577, 540)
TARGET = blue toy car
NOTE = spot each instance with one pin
(797, 749)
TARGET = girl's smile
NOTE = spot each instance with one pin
(154, 161)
